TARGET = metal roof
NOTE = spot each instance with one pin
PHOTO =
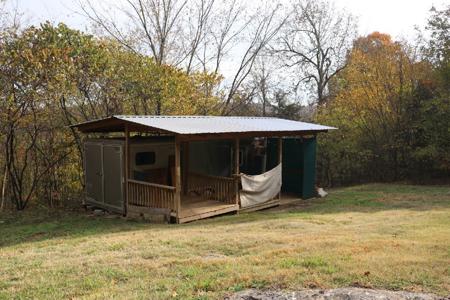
(194, 125)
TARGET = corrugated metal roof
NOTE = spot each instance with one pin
(217, 124)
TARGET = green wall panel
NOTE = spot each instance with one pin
(309, 168)
(299, 164)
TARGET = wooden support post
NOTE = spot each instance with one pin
(184, 178)
(127, 167)
(280, 157)
(177, 177)
(236, 168)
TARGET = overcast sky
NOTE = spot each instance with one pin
(396, 17)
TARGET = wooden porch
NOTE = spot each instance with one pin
(204, 196)
(193, 196)
(194, 208)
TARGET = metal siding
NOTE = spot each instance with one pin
(212, 124)
(293, 166)
(309, 168)
(93, 171)
(103, 174)
(112, 168)
(299, 166)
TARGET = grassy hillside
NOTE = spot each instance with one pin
(381, 236)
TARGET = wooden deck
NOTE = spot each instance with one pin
(194, 208)
(265, 205)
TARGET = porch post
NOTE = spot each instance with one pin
(280, 157)
(177, 177)
(236, 168)
(185, 167)
(127, 167)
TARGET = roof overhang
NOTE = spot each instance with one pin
(115, 124)
(202, 127)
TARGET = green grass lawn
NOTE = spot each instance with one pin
(381, 236)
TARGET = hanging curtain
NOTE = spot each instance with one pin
(257, 189)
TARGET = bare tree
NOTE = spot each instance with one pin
(21, 149)
(4, 183)
(195, 35)
(315, 42)
(169, 30)
(227, 23)
(266, 24)
(198, 24)
(262, 81)
(10, 16)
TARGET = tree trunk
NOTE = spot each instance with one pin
(4, 182)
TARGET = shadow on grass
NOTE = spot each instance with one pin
(41, 225)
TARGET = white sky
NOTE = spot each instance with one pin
(396, 17)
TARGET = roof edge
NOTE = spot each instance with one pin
(93, 121)
(116, 123)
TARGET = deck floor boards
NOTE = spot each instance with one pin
(261, 206)
(194, 208)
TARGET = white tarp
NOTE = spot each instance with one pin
(261, 188)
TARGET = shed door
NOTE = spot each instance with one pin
(113, 176)
(93, 167)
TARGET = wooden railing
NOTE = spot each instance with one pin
(145, 194)
(209, 187)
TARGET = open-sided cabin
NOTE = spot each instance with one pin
(194, 167)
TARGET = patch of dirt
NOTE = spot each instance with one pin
(339, 294)
(36, 236)
(290, 203)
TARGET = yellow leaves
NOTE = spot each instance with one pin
(50, 62)
(378, 71)
(371, 89)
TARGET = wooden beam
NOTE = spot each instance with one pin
(113, 124)
(185, 167)
(265, 205)
(280, 159)
(233, 135)
(177, 177)
(161, 186)
(127, 167)
(236, 168)
(280, 150)
(224, 210)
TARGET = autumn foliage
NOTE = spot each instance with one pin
(53, 77)
(393, 116)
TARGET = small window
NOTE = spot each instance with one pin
(145, 158)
